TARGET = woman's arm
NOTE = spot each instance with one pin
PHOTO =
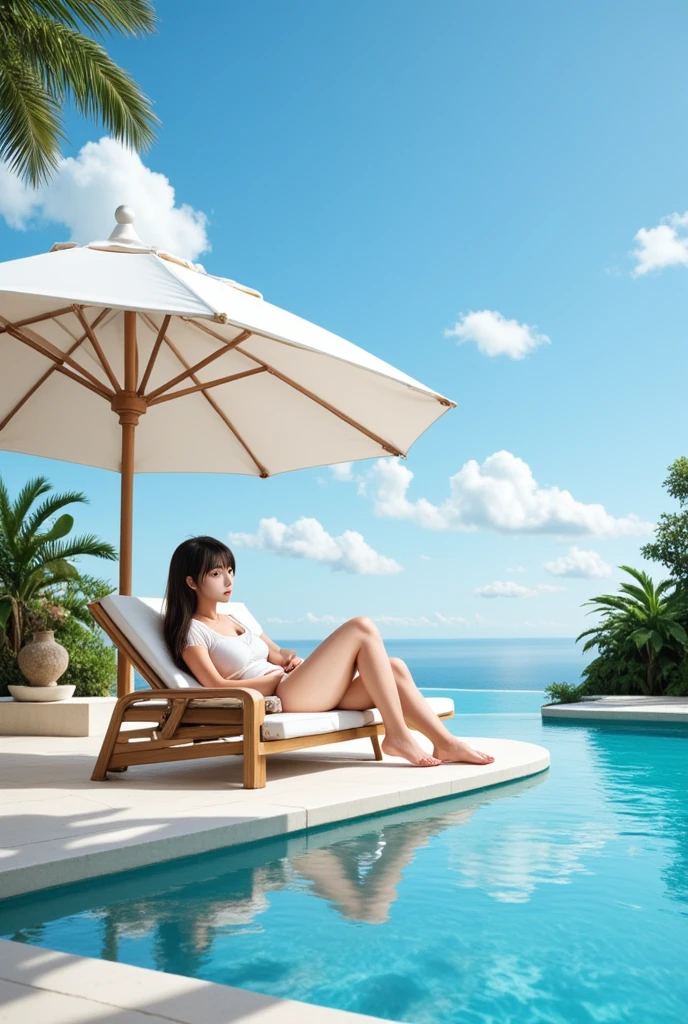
(281, 656)
(198, 661)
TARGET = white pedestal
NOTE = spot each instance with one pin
(79, 716)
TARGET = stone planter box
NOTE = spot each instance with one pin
(79, 716)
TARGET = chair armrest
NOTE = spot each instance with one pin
(244, 694)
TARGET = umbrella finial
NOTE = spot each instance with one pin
(125, 232)
(125, 215)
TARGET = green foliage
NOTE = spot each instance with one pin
(670, 546)
(641, 626)
(677, 686)
(9, 671)
(35, 558)
(46, 61)
(92, 662)
(565, 693)
(615, 671)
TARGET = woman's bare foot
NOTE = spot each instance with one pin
(455, 750)
(406, 747)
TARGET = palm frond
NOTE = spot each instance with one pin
(88, 544)
(637, 593)
(639, 575)
(5, 508)
(676, 630)
(30, 120)
(72, 63)
(662, 588)
(31, 490)
(128, 17)
(50, 507)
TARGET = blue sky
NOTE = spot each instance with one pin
(385, 170)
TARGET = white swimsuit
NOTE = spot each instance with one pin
(234, 657)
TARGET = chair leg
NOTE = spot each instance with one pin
(101, 769)
(254, 761)
(377, 750)
(255, 775)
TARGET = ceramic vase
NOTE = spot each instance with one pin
(42, 661)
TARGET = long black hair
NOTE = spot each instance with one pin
(196, 558)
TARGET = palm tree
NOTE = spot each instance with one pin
(642, 614)
(33, 557)
(45, 60)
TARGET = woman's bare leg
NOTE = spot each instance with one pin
(321, 681)
(418, 715)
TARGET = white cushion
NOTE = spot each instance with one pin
(288, 724)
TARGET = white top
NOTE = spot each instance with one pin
(234, 657)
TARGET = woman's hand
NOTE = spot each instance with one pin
(289, 660)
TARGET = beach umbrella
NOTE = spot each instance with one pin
(118, 355)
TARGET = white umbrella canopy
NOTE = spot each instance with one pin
(117, 355)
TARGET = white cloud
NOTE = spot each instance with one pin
(495, 335)
(504, 588)
(523, 858)
(578, 563)
(307, 538)
(342, 471)
(85, 191)
(450, 620)
(329, 619)
(403, 620)
(507, 588)
(437, 619)
(663, 246)
(502, 495)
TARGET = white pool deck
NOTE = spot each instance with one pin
(55, 988)
(56, 826)
(622, 709)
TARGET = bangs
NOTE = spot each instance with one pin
(215, 555)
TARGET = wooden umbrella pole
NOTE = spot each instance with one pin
(130, 407)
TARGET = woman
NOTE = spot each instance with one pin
(350, 670)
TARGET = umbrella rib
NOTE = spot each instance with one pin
(154, 354)
(37, 319)
(385, 445)
(227, 347)
(204, 385)
(49, 372)
(98, 348)
(46, 348)
(291, 344)
(223, 416)
(107, 395)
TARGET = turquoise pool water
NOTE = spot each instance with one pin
(559, 899)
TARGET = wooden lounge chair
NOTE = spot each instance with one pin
(187, 720)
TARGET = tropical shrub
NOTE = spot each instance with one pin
(35, 560)
(640, 638)
(565, 693)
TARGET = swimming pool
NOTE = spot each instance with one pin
(562, 899)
